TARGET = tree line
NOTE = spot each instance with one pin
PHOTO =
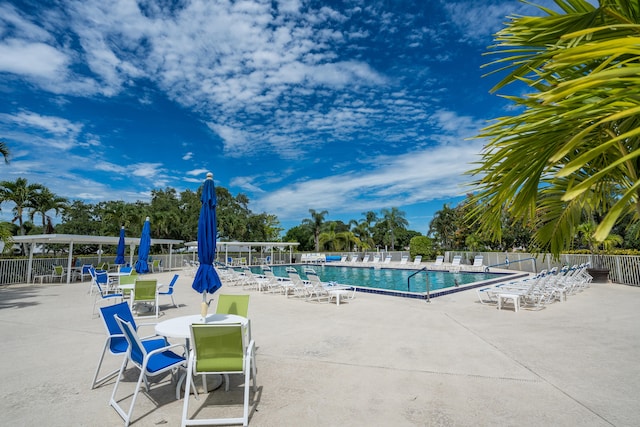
(175, 215)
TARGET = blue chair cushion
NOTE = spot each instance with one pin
(160, 361)
(119, 344)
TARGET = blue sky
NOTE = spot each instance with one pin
(344, 106)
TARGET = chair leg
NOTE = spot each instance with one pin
(174, 302)
(185, 406)
(125, 416)
(97, 380)
(245, 409)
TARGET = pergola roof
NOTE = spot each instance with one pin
(249, 244)
(72, 239)
(87, 240)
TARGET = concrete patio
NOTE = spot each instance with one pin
(373, 361)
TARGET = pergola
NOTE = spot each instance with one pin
(71, 239)
(239, 247)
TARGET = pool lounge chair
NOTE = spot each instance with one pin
(387, 259)
(438, 264)
(534, 292)
(301, 288)
(455, 263)
(478, 264)
(328, 290)
(353, 258)
(277, 283)
(417, 260)
(376, 259)
(404, 259)
(365, 259)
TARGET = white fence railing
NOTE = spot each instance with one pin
(14, 270)
(623, 268)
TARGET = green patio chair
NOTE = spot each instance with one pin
(146, 291)
(220, 349)
(156, 267)
(58, 273)
(127, 280)
(233, 304)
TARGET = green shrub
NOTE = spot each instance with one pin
(422, 245)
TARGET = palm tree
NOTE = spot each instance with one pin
(5, 234)
(337, 241)
(22, 195)
(444, 224)
(4, 150)
(575, 143)
(362, 232)
(315, 224)
(44, 201)
(394, 219)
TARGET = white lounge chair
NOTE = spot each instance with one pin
(417, 260)
(455, 263)
(478, 264)
(437, 265)
(365, 259)
(387, 259)
(404, 259)
(300, 288)
(376, 259)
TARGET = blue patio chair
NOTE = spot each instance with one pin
(84, 271)
(116, 342)
(126, 269)
(169, 292)
(150, 364)
(101, 282)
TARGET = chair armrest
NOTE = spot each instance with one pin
(162, 349)
(149, 336)
(147, 324)
(251, 348)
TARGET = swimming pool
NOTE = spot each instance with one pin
(394, 281)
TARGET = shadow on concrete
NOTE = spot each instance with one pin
(11, 297)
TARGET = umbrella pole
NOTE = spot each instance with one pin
(204, 306)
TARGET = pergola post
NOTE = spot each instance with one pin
(30, 265)
(69, 262)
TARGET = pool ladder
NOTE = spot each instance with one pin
(427, 280)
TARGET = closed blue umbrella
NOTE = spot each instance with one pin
(120, 252)
(206, 279)
(143, 249)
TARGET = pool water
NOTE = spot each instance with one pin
(387, 278)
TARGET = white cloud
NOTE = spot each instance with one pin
(54, 125)
(32, 59)
(40, 131)
(282, 82)
(146, 170)
(413, 177)
(197, 172)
